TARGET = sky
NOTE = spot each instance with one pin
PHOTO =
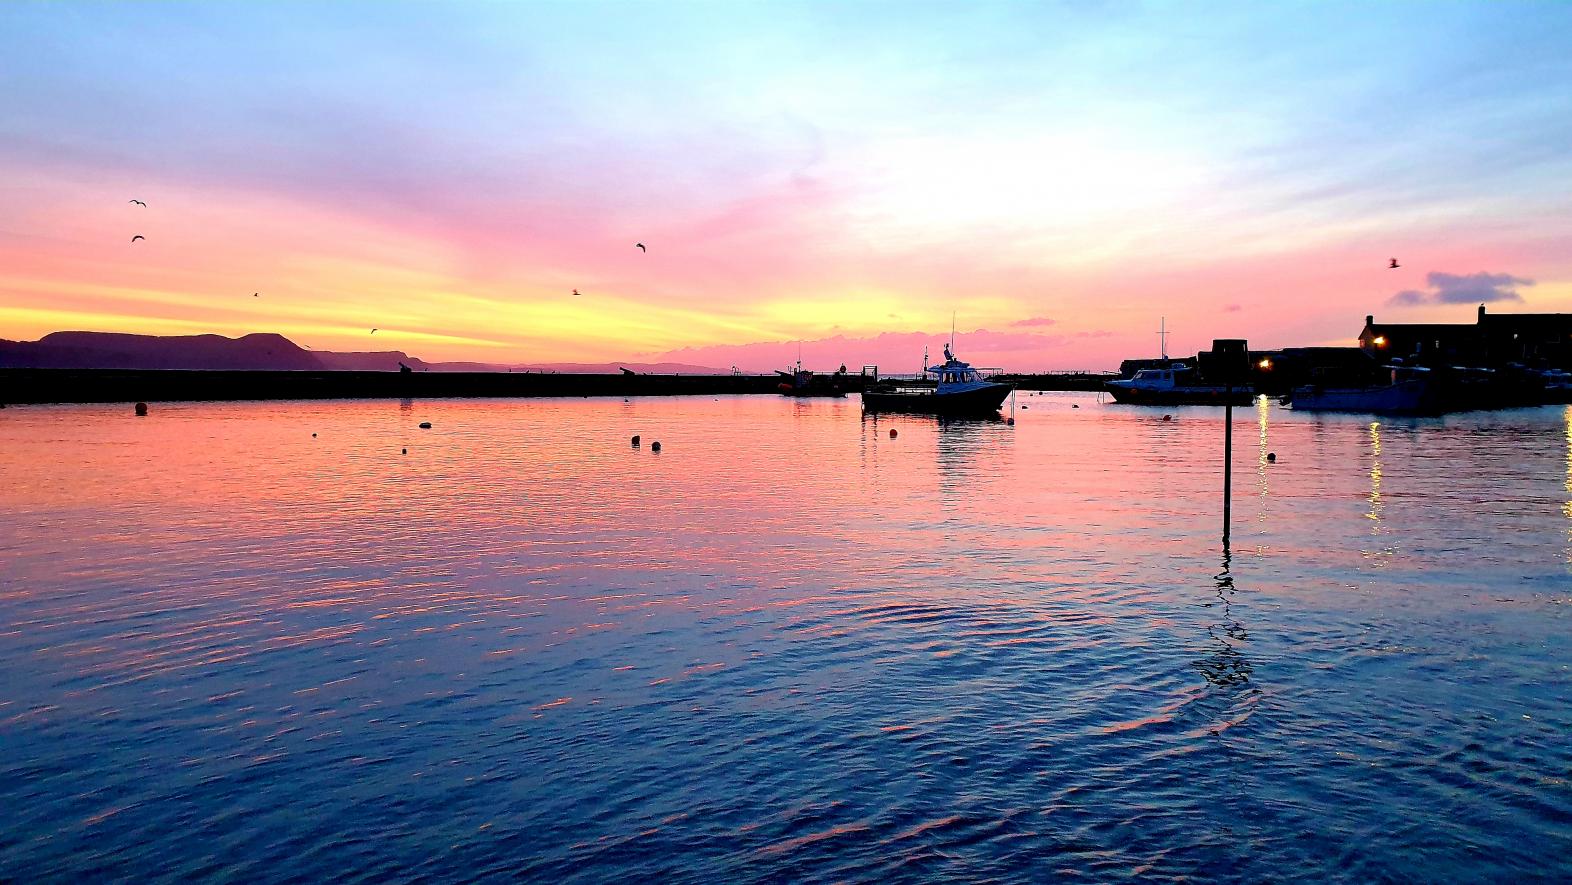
(1055, 179)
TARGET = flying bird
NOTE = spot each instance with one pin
(641, 247)
(373, 331)
(138, 237)
(1393, 264)
(255, 294)
(576, 292)
(140, 203)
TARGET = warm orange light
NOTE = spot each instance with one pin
(1380, 341)
(1265, 364)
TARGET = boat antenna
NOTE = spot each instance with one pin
(1162, 337)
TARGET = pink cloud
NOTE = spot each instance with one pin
(1035, 321)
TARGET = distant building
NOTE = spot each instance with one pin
(1531, 339)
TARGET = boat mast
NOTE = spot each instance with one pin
(1162, 337)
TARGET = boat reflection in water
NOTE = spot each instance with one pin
(960, 391)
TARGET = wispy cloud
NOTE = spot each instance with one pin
(1448, 288)
(1035, 321)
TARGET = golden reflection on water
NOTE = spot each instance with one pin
(1263, 411)
(1376, 513)
(1377, 505)
(1566, 509)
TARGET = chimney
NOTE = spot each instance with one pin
(1369, 319)
(1481, 313)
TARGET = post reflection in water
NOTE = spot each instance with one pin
(1227, 665)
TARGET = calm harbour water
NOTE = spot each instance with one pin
(786, 648)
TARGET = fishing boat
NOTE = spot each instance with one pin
(801, 382)
(1177, 385)
(1410, 392)
(957, 390)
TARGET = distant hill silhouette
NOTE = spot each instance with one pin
(373, 361)
(111, 350)
(260, 351)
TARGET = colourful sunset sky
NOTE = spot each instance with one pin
(1059, 176)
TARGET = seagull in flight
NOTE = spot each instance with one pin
(641, 247)
(373, 331)
(138, 237)
(1394, 264)
(576, 293)
(140, 203)
(255, 294)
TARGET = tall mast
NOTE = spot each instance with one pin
(1162, 337)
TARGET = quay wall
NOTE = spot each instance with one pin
(21, 386)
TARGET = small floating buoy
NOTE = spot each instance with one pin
(404, 451)
(893, 434)
(1075, 405)
(313, 436)
(635, 440)
(655, 446)
(1025, 406)
(1271, 457)
(1010, 421)
(1168, 417)
(425, 425)
(141, 408)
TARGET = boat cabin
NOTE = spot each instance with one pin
(1168, 377)
(955, 373)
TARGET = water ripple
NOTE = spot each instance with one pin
(789, 648)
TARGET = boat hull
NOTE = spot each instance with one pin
(1182, 396)
(1403, 398)
(980, 401)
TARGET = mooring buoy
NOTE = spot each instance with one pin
(403, 451)
(425, 425)
(1271, 457)
(1010, 421)
(1075, 405)
(635, 440)
(313, 436)
(893, 434)
(141, 408)
(1168, 417)
(655, 446)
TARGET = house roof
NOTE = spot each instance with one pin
(1425, 329)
